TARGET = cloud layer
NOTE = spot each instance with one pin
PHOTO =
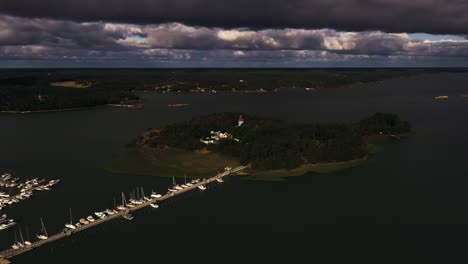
(49, 39)
(430, 16)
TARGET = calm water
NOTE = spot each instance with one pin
(406, 205)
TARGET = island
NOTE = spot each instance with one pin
(272, 148)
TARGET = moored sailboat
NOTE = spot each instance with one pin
(43, 234)
(70, 225)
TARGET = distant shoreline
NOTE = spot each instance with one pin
(50, 110)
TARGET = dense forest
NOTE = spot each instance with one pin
(29, 90)
(276, 144)
(32, 93)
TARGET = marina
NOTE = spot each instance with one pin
(22, 190)
(123, 210)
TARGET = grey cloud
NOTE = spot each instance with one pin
(430, 16)
(46, 39)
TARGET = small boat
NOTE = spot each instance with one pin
(70, 225)
(220, 180)
(127, 216)
(7, 225)
(84, 221)
(16, 245)
(90, 218)
(154, 205)
(187, 184)
(109, 212)
(100, 215)
(202, 187)
(172, 190)
(175, 185)
(155, 195)
(136, 202)
(21, 242)
(43, 235)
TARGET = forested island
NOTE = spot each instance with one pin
(270, 147)
(49, 89)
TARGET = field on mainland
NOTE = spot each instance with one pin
(71, 84)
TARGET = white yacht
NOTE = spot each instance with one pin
(155, 195)
(90, 218)
(154, 205)
(175, 185)
(27, 242)
(100, 215)
(109, 212)
(202, 187)
(21, 242)
(17, 244)
(70, 225)
(123, 206)
(127, 216)
(220, 180)
(43, 234)
(7, 225)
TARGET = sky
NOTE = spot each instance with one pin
(241, 33)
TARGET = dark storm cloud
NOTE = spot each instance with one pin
(57, 33)
(49, 39)
(431, 16)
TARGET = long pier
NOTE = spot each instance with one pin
(10, 253)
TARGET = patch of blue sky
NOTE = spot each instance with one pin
(425, 36)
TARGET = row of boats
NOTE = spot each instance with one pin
(176, 187)
(24, 189)
(122, 210)
(137, 198)
(6, 223)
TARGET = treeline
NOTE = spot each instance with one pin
(277, 144)
(31, 93)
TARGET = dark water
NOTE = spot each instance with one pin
(406, 205)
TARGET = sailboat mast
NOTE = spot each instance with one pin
(71, 218)
(21, 235)
(123, 200)
(27, 233)
(44, 231)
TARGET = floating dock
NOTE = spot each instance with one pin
(10, 253)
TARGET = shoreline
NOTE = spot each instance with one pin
(50, 110)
